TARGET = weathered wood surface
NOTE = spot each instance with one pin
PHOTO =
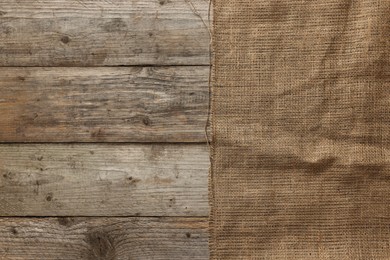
(103, 180)
(132, 104)
(103, 238)
(103, 33)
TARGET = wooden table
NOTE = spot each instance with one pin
(103, 106)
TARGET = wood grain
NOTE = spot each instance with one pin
(103, 180)
(103, 33)
(132, 104)
(103, 238)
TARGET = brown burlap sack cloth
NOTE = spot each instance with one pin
(301, 130)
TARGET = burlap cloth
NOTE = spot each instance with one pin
(301, 130)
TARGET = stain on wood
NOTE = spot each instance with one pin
(137, 104)
(114, 180)
(104, 238)
(101, 245)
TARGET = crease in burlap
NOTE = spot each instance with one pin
(301, 133)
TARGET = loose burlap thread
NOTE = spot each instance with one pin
(300, 130)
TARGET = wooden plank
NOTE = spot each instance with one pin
(103, 180)
(103, 33)
(103, 238)
(127, 104)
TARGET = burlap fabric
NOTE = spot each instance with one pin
(301, 130)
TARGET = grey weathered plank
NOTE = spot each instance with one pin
(132, 104)
(103, 238)
(103, 180)
(101, 33)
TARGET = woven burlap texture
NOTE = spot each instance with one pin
(300, 130)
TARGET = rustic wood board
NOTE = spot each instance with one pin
(103, 33)
(103, 238)
(126, 104)
(103, 180)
